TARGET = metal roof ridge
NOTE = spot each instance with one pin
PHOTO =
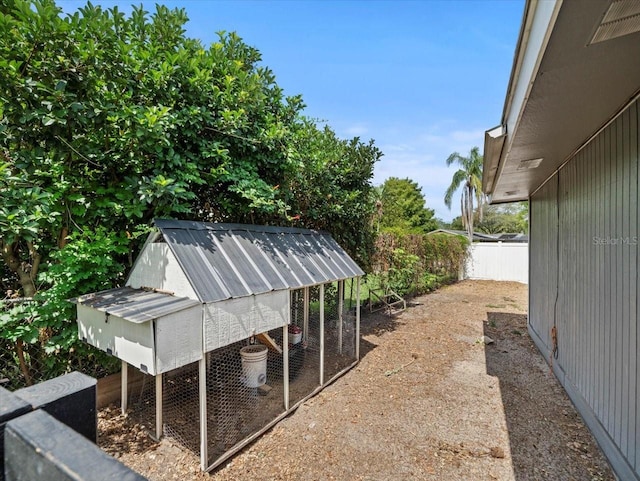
(162, 223)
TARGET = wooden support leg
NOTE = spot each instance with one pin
(285, 365)
(158, 406)
(322, 334)
(358, 318)
(124, 386)
(202, 391)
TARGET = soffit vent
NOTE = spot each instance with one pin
(622, 18)
(529, 164)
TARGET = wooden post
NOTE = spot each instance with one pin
(305, 318)
(124, 386)
(321, 334)
(158, 406)
(340, 308)
(202, 391)
(285, 365)
(358, 318)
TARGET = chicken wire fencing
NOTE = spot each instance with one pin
(246, 390)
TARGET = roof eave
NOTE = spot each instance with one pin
(538, 20)
(493, 143)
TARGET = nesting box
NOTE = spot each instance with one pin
(152, 331)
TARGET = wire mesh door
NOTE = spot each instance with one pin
(180, 406)
(304, 346)
(339, 331)
(245, 392)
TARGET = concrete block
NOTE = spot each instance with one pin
(38, 446)
(71, 399)
(11, 406)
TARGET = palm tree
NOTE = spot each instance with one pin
(470, 177)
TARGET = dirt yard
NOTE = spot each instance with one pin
(428, 401)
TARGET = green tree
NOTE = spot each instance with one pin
(469, 176)
(329, 186)
(107, 121)
(512, 217)
(403, 207)
(112, 121)
(456, 223)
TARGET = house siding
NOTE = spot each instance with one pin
(584, 280)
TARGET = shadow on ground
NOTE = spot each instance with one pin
(547, 437)
(374, 324)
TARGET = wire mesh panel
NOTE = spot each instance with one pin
(297, 342)
(245, 381)
(339, 331)
(180, 409)
(142, 400)
(304, 356)
(244, 392)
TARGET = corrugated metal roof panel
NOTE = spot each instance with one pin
(241, 262)
(296, 252)
(261, 262)
(135, 305)
(331, 258)
(281, 269)
(224, 261)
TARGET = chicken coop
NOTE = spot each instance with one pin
(232, 327)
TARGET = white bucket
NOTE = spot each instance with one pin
(295, 334)
(254, 365)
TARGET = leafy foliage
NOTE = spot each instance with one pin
(403, 208)
(107, 121)
(46, 327)
(504, 218)
(412, 264)
(330, 187)
(513, 217)
(445, 254)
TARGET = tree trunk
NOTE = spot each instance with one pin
(25, 277)
(467, 211)
(23, 365)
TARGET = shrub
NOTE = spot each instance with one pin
(40, 337)
(412, 264)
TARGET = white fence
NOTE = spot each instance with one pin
(498, 261)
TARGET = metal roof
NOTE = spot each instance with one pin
(135, 305)
(224, 261)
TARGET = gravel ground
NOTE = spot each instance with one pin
(428, 401)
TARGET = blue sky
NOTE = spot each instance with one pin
(423, 78)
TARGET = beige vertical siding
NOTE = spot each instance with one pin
(584, 279)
